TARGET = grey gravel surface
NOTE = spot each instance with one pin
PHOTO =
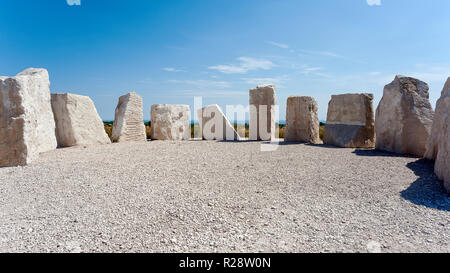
(222, 197)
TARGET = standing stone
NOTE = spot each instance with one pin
(350, 121)
(262, 113)
(77, 121)
(170, 122)
(404, 117)
(128, 121)
(214, 124)
(27, 127)
(438, 145)
(302, 122)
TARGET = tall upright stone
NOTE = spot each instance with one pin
(404, 117)
(350, 121)
(262, 113)
(27, 127)
(438, 145)
(77, 121)
(128, 121)
(214, 124)
(170, 122)
(302, 121)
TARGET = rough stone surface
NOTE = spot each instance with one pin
(302, 122)
(214, 196)
(27, 127)
(404, 117)
(350, 121)
(170, 122)
(77, 121)
(262, 119)
(129, 119)
(438, 145)
(212, 117)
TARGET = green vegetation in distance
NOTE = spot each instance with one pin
(108, 129)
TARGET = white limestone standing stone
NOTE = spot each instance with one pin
(404, 117)
(350, 121)
(302, 121)
(128, 121)
(438, 145)
(77, 121)
(214, 124)
(170, 122)
(27, 127)
(262, 113)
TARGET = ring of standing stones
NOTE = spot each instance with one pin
(33, 121)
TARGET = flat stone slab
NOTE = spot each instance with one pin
(27, 126)
(350, 121)
(129, 119)
(438, 145)
(214, 124)
(302, 121)
(77, 121)
(404, 117)
(262, 113)
(170, 122)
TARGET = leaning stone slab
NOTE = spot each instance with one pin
(128, 121)
(262, 113)
(170, 122)
(77, 121)
(438, 145)
(404, 117)
(302, 122)
(214, 124)
(350, 121)
(27, 127)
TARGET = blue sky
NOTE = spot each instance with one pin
(171, 51)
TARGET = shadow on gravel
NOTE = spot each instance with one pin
(324, 146)
(239, 141)
(283, 143)
(372, 152)
(292, 143)
(427, 190)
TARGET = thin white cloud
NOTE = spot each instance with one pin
(305, 53)
(246, 64)
(322, 53)
(171, 69)
(426, 72)
(330, 54)
(258, 81)
(229, 69)
(145, 81)
(308, 70)
(73, 2)
(203, 83)
(210, 93)
(373, 2)
(430, 76)
(280, 45)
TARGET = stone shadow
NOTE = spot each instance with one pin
(238, 141)
(374, 152)
(427, 190)
(309, 144)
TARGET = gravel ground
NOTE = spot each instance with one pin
(222, 197)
